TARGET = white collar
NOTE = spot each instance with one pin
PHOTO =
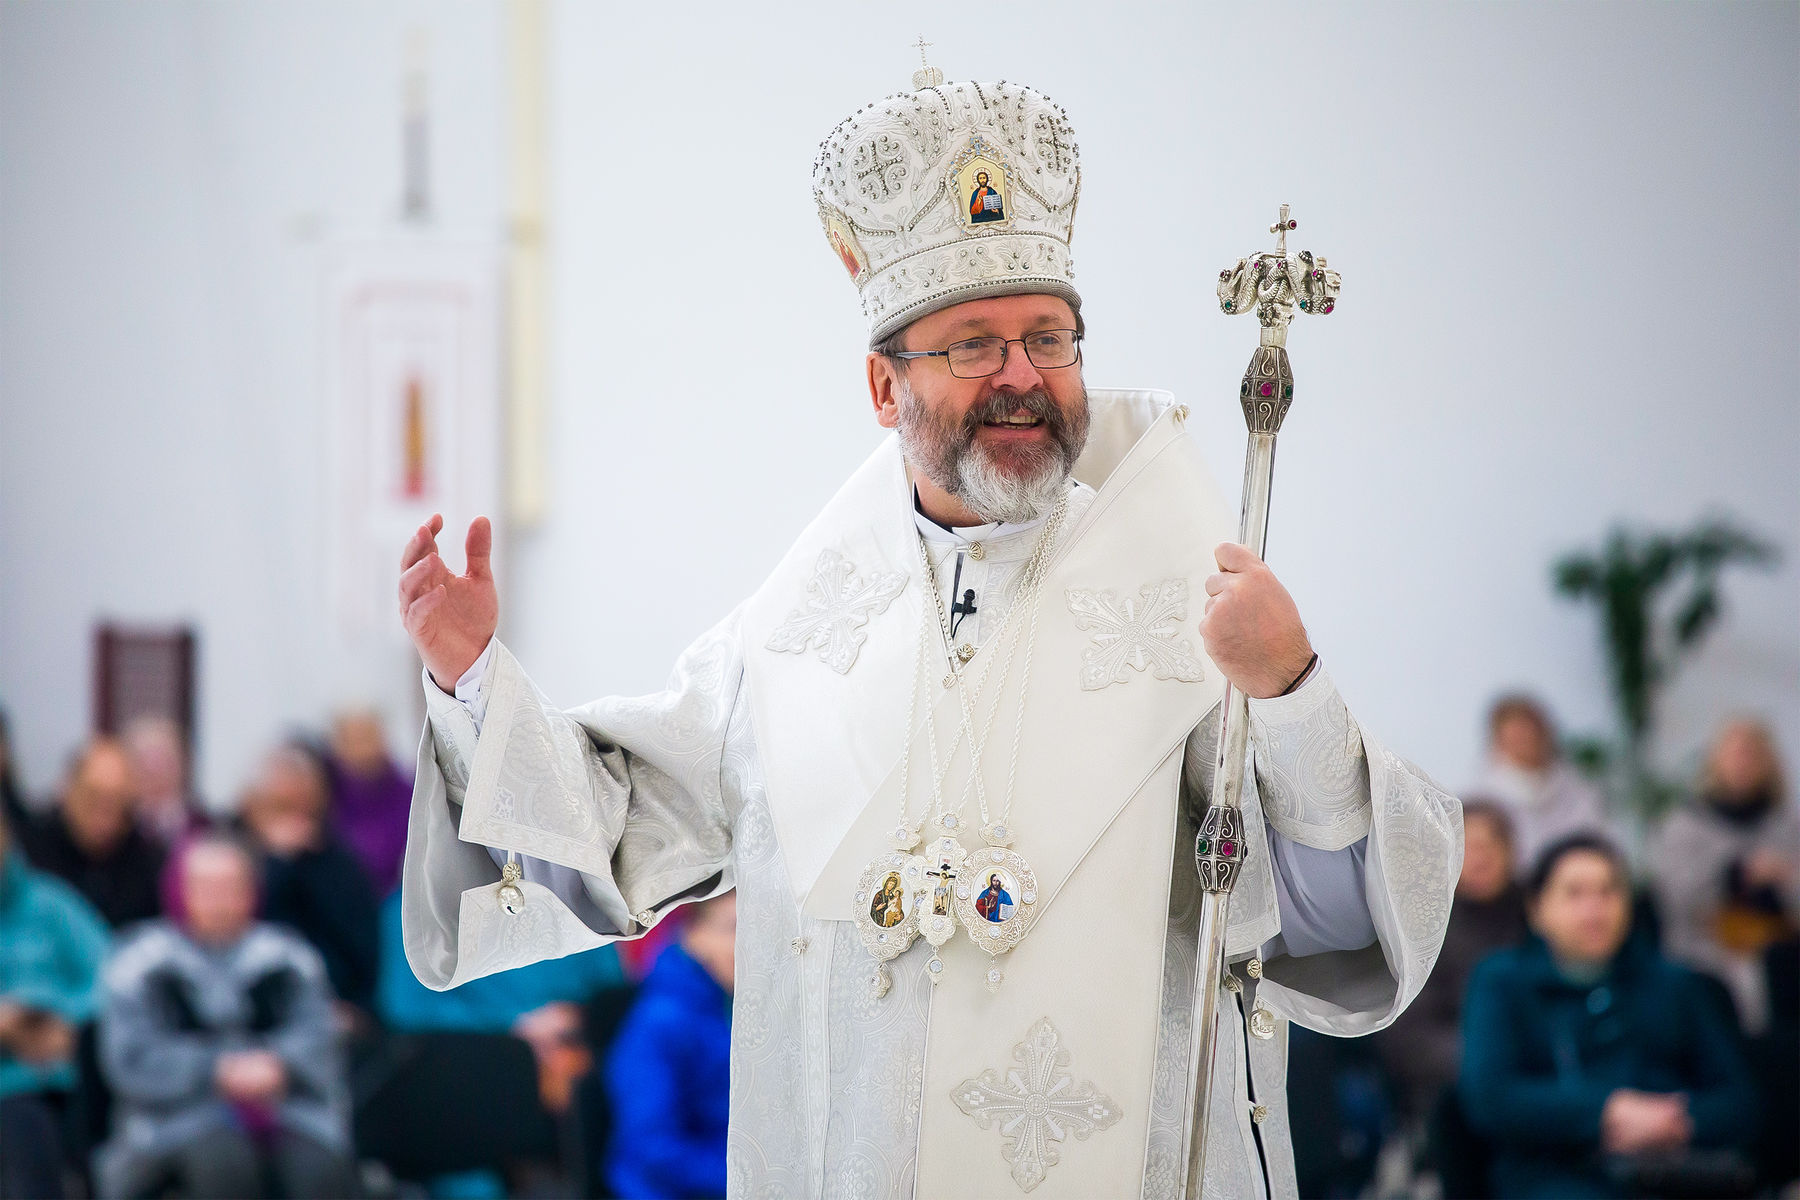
(936, 534)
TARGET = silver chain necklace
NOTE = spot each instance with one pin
(991, 891)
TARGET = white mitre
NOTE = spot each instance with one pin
(950, 193)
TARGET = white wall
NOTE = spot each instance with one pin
(171, 180)
(1564, 233)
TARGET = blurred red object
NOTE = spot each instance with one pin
(639, 955)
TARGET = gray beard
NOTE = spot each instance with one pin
(952, 459)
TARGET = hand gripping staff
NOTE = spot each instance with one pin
(1273, 283)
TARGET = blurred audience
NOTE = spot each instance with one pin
(1594, 1066)
(216, 1037)
(1423, 1049)
(1545, 796)
(310, 882)
(540, 1004)
(52, 943)
(1553, 1049)
(167, 808)
(1727, 868)
(371, 796)
(91, 840)
(670, 1064)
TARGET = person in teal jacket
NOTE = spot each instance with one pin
(541, 1004)
(52, 943)
(503, 1003)
(1594, 1066)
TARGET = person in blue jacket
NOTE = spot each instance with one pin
(1593, 1065)
(669, 1074)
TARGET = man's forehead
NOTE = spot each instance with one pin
(1000, 314)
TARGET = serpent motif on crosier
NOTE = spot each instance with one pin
(1273, 286)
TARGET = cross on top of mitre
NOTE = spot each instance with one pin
(927, 76)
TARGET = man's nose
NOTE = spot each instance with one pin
(1017, 375)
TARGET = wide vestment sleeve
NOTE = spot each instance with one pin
(633, 794)
(1318, 779)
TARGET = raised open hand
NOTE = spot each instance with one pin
(450, 618)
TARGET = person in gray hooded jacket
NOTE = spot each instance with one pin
(216, 1038)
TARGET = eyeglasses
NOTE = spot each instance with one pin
(977, 358)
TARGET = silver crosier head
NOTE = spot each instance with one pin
(1275, 284)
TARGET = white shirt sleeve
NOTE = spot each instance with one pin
(469, 687)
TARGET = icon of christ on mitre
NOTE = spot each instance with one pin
(985, 203)
(1041, 765)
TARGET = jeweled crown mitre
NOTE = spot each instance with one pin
(949, 193)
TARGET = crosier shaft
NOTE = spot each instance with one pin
(1275, 286)
(1227, 793)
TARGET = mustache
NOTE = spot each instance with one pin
(1004, 404)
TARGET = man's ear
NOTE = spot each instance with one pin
(884, 382)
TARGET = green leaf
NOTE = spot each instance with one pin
(1697, 615)
(1591, 754)
(1627, 578)
(1577, 575)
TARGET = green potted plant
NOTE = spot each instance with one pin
(1658, 596)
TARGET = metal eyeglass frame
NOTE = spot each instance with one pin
(1005, 349)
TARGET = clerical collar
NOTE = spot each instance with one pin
(931, 531)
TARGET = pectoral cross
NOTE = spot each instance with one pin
(945, 874)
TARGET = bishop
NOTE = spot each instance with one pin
(960, 827)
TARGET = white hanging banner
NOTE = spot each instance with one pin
(414, 412)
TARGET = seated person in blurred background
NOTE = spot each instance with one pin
(310, 882)
(1422, 1049)
(1727, 868)
(1545, 796)
(216, 1038)
(370, 796)
(51, 945)
(1774, 1056)
(540, 1003)
(167, 808)
(13, 809)
(91, 840)
(667, 1072)
(1591, 1063)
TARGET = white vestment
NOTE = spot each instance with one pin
(771, 765)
